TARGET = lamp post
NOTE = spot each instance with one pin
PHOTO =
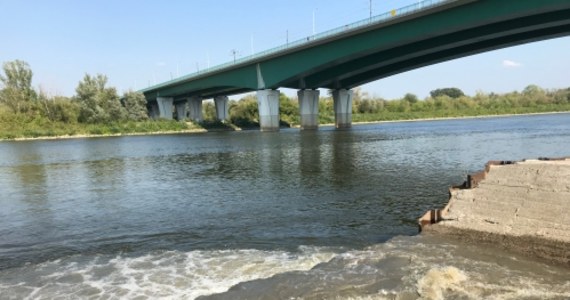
(234, 52)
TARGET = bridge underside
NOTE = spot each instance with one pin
(362, 69)
(354, 57)
(457, 29)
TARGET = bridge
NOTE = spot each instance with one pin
(411, 37)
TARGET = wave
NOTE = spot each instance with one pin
(402, 268)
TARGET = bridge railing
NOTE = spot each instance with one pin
(374, 20)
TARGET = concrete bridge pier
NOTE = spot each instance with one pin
(342, 108)
(268, 106)
(221, 107)
(181, 111)
(165, 107)
(195, 104)
(309, 109)
(153, 112)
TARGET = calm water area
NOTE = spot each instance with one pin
(249, 215)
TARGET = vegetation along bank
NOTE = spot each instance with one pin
(97, 109)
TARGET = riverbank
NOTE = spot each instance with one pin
(193, 128)
(452, 118)
(519, 206)
(61, 131)
(81, 136)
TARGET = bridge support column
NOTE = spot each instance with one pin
(165, 107)
(221, 107)
(181, 111)
(195, 104)
(343, 108)
(309, 109)
(268, 106)
(153, 112)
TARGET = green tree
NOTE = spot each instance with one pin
(17, 92)
(411, 98)
(245, 113)
(135, 106)
(532, 89)
(98, 104)
(533, 93)
(326, 110)
(450, 92)
(65, 110)
(58, 108)
(209, 111)
(288, 110)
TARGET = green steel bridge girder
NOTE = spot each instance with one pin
(457, 29)
(433, 50)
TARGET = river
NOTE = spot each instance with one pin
(249, 215)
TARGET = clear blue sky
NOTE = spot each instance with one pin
(139, 42)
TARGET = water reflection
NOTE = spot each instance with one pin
(342, 167)
(309, 160)
(248, 189)
(26, 206)
(271, 149)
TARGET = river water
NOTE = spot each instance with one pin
(250, 215)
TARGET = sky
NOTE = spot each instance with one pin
(137, 43)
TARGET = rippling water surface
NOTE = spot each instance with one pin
(250, 215)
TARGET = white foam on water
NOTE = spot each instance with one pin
(438, 280)
(166, 275)
(402, 268)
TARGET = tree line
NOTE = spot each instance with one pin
(94, 101)
(444, 102)
(97, 108)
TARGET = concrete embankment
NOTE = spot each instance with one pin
(520, 206)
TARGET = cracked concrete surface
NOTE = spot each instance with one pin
(522, 206)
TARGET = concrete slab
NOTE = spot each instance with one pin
(521, 206)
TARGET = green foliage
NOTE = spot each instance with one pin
(450, 92)
(98, 104)
(209, 111)
(97, 109)
(135, 106)
(244, 113)
(411, 98)
(369, 106)
(288, 110)
(17, 92)
(59, 109)
(21, 125)
(326, 110)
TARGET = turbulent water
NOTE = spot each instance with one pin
(249, 215)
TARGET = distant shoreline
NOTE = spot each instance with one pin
(447, 118)
(202, 130)
(467, 117)
(82, 136)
